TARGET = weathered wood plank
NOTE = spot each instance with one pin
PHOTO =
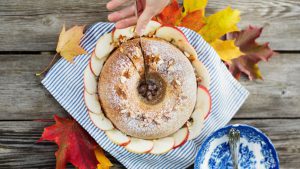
(278, 95)
(18, 147)
(33, 25)
(23, 97)
(22, 94)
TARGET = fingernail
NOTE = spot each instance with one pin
(109, 17)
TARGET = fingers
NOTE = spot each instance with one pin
(124, 13)
(144, 19)
(113, 4)
(130, 21)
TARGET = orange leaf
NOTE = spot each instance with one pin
(193, 20)
(75, 145)
(171, 15)
(104, 162)
(68, 43)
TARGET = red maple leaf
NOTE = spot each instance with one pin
(254, 52)
(75, 144)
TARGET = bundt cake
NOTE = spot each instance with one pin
(149, 94)
(152, 101)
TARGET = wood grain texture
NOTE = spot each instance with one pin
(278, 95)
(22, 94)
(24, 98)
(18, 147)
(33, 25)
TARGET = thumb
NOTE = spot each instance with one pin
(144, 19)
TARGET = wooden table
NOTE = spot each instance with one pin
(29, 31)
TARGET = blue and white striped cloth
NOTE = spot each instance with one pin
(65, 82)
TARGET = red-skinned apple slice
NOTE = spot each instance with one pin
(209, 104)
(177, 38)
(126, 33)
(202, 108)
(162, 145)
(92, 103)
(170, 33)
(139, 146)
(90, 81)
(97, 64)
(180, 137)
(201, 73)
(104, 46)
(118, 137)
(151, 27)
(101, 121)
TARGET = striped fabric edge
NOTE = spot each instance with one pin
(65, 82)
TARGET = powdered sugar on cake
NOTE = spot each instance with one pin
(122, 102)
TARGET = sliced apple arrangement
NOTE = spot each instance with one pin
(105, 45)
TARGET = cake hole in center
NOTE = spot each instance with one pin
(151, 90)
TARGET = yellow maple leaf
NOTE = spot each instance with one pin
(227, 50)
(194, 5)
(104, 162)
(68, 43)
(220, 23)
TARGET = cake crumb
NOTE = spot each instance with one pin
(123, 79)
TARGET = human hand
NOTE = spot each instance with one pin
(126, 16)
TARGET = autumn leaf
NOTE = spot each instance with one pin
(254, 52)
(219, 24)
(68, 43)
(194, 5)
(244, 65)
(227, 50)
(171, 15)
(75, 145)
(193, 20)
(104, 162)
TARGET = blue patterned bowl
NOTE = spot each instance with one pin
(256, 150)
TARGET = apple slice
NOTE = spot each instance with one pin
(104, 46)
(90, 81)
(92, 103)
(97, 64)
(118, 137)
(139, 146)
(162, 145)
(101, 121)
(177, 38)
(170, 33)
(180, 137)
(151, 27)
(120, 35)
(201, 73)
(209, 103)
(202, 108)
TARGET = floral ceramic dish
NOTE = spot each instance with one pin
(255, 150)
